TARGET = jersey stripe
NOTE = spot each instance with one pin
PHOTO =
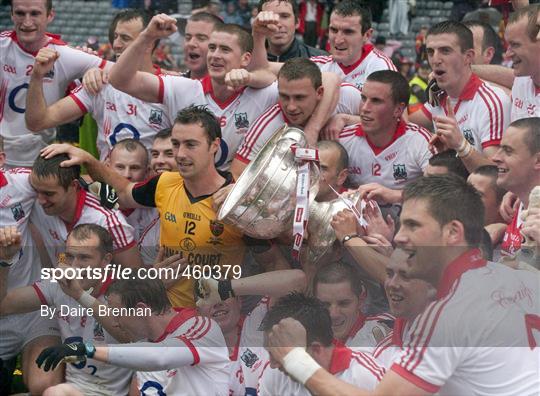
(496, 132)
(115, 227)
(488, 101)
(387, 60)
(385, 343)
(370, 364)
(258, 128)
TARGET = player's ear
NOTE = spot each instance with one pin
(536, 161)
(454, 233)
(245, 59)
(51, 15)
(2, 159)
(214, 146)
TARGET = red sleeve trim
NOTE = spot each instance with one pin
(240, 158)
(124, 248)
(189, 344)
(414, 379)
(102, 64)
(426, 112)
(40, 294)
(78, 102)
(161, 89)
(495, 142)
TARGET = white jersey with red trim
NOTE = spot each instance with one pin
(390, 347)
(195, 355)
(356, 368)
(120, 116)
(55, 231)
(273, 118)
(367, 332)
(393, 166)
(513, 238)
(488, 347)
(482, 112)
(176, 93)
(21, 145)
(76, 326)
(236, 115)
(525, 98)
(17, 198)
(372, 60)
(145, 223)
(251, 355)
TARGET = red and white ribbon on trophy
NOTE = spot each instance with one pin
(301, 211)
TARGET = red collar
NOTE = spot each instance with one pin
(127, 212)
(366, 50)
(53, 39)
(467, 93)
(401, 128)
(81, 199)
(397, 331)
(341, 358)
(182, 315)
(208, 88)
(358, 324)
(234, 355)
(283, 115)
(104, 286)
(469, 260)
(3, 180)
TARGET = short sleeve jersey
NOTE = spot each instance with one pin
(21, 145)
(76, 328)
(456, 347)
(55, 231)
(525, 98)
(236, 115)
(176, 93)
(273, 118)
(392, 166)
(482, 112)
(356, 368)
(120, 116)
(17, 198)
(189, 225)
(370, 61)
(208, 372)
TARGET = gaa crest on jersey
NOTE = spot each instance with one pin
(216, 227)
(400, 172)
(99, 335)
(241, 121)
(467, 134)
(49, 74)
(249, 358)
(17, 211)
(156, 117)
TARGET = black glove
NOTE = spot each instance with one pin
(106, 194)
(68, 353)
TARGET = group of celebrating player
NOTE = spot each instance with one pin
(438, 294)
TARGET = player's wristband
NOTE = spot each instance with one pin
(225, 289)
(300, 365)
(464, 149)
(86, 300)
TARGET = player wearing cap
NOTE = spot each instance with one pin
(18, 49)
(88, 245)
(62, 204)
(385, 152)
(452, 347)
(185, 353)
(468, 115)
(118, 115)
(346, 364)
(18, 200)
(300, 91)
(352, 57)
(222, 302)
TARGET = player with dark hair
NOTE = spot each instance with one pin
(467, 114)
(488, 48)
(446, 162)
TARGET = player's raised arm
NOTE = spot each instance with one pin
(125, 74)
(97, 170)
(496, 74)
(264, 24)
(38, 115)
